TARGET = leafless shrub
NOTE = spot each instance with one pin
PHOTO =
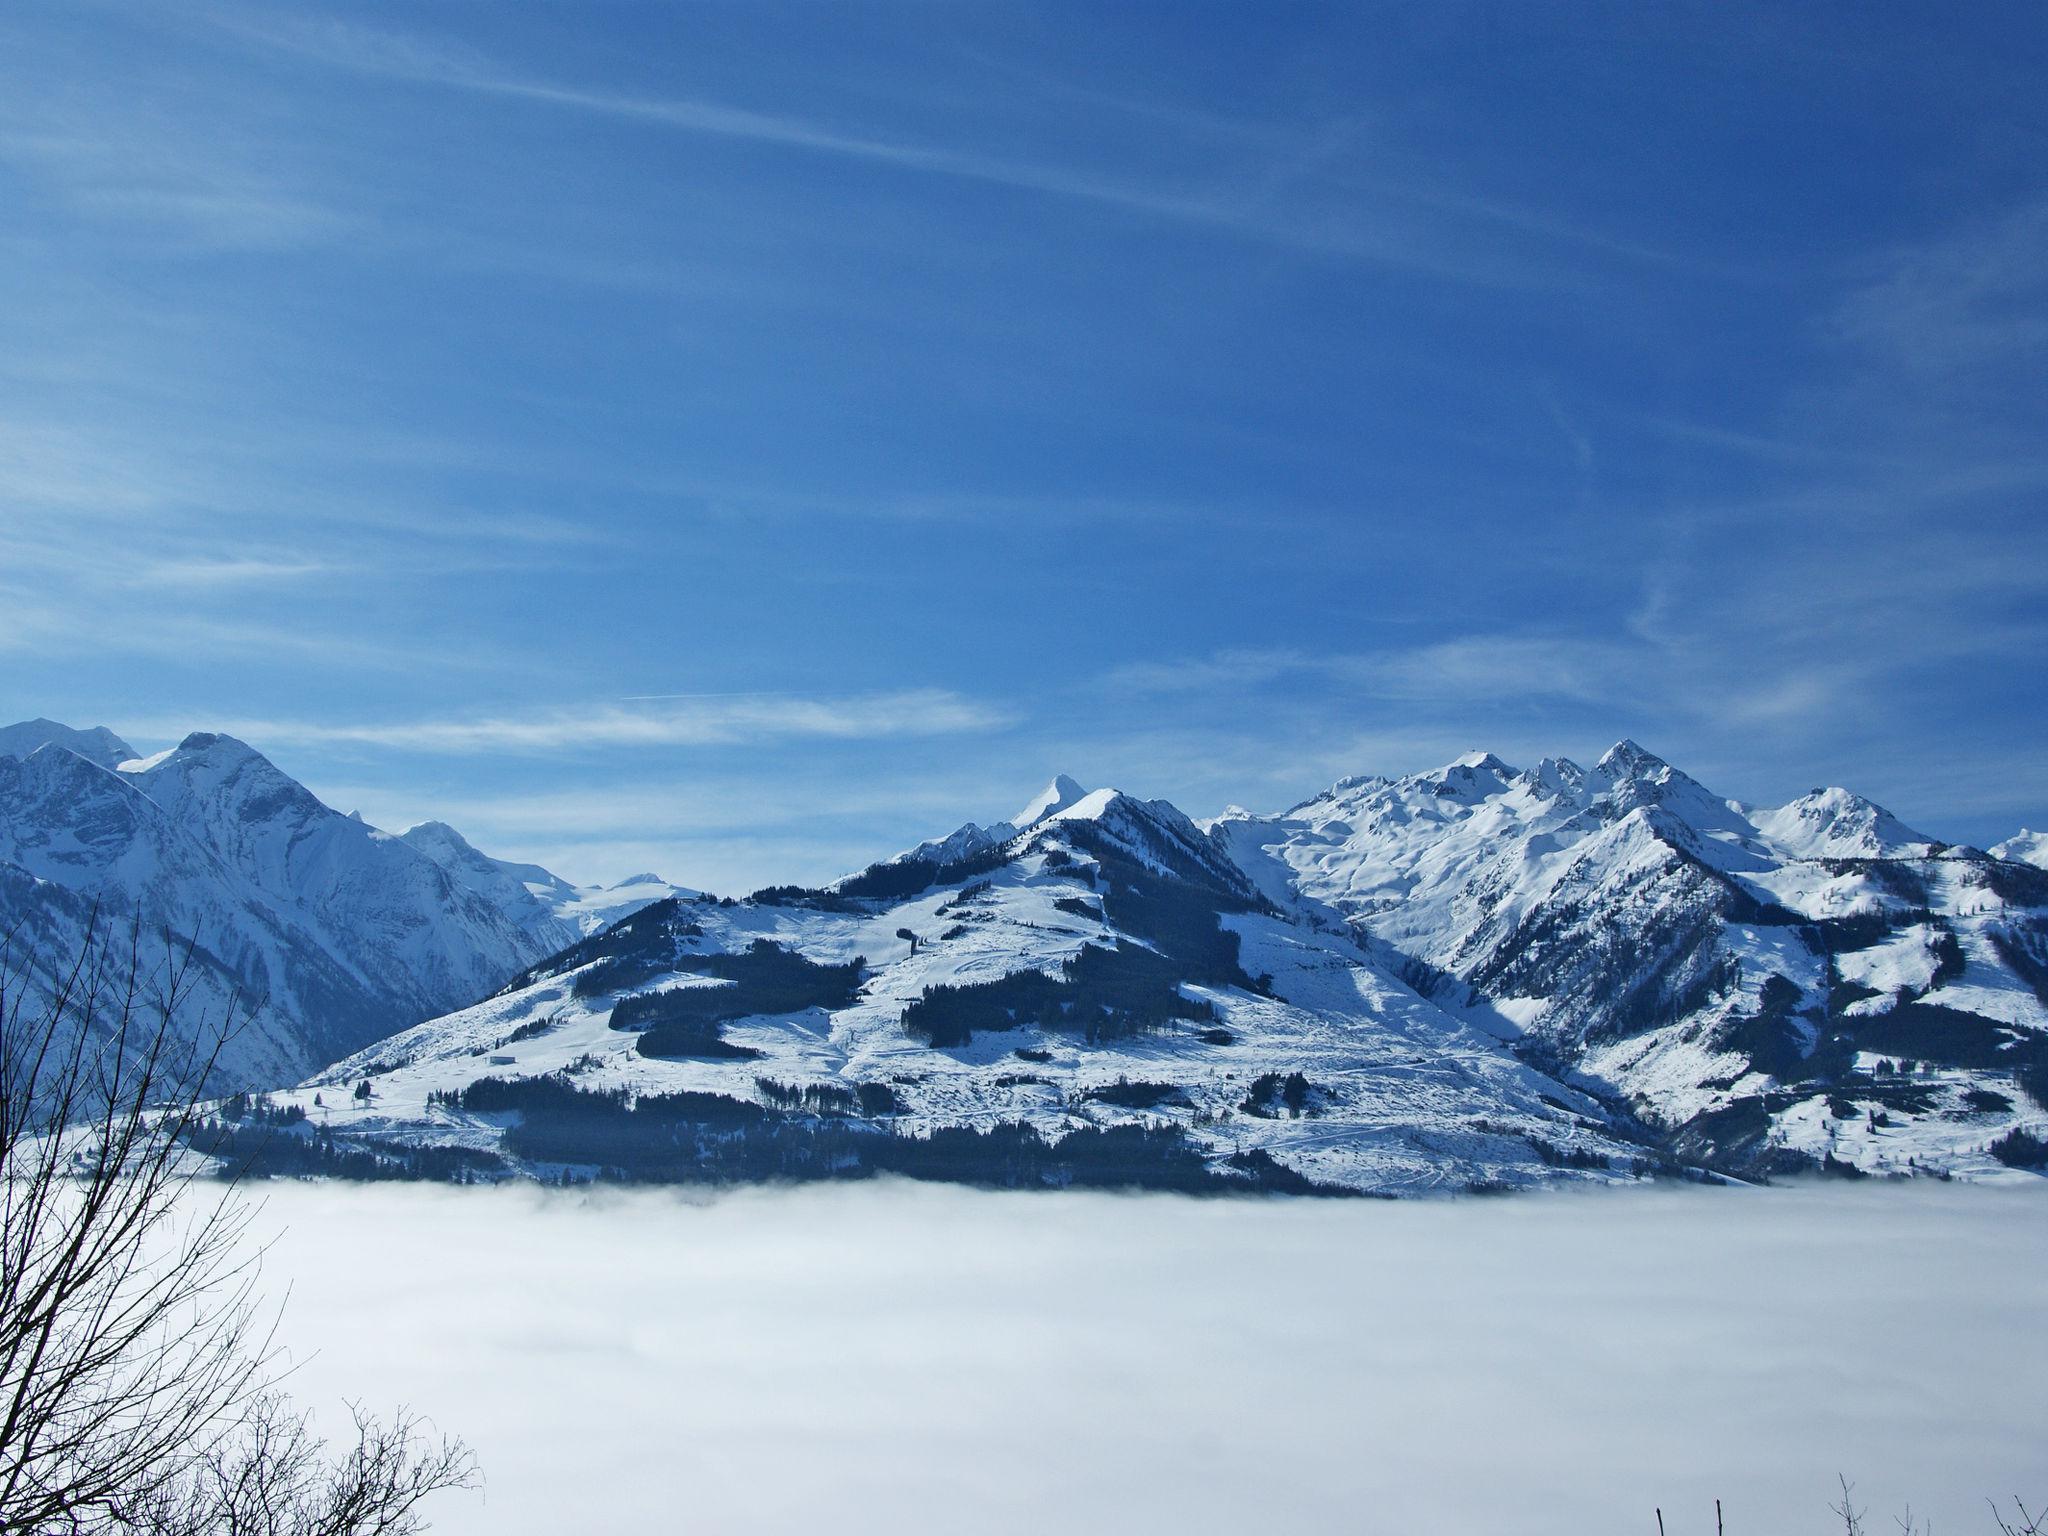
(2023, 1522)
(274, 1477)
(1846, 1511)
(137, 1371)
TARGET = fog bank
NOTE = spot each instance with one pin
(918, 1358)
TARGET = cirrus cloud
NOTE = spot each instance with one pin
(702, 720)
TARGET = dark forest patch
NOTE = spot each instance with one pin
(1099, 994)
(765, 979)
(708, 1138)
(1938, 1033)
(1126, 1094)
(1274, 1094)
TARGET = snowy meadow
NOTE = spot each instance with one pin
(894, 1357)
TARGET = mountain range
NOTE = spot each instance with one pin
(1476, 977)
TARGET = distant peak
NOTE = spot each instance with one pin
(1352, 781)
(1833, 822)
(1060, 795)
(645, 877)
(1826, 798)
(2026, 848)
(217, 743)
(98, 745)
(1558, 775)
(1626, 757)
(1485, 762)
(217, 752)
(435, 834)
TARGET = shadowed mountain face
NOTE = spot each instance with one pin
(1479, 976)
(326, 931)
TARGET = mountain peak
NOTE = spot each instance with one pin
(436, 834)
(1625, 759)
(218, 750)
(1837, 823)
(2026, 848)
(214, 759)
(1558, 776)
(208, 741)
(1058, 796)
(98, 745)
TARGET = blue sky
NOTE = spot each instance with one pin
(744, 439)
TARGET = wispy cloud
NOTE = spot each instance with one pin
(1951, 307)
(1509, 666)
(56, 633)
(125, 165)
(783, 818)
(1467, 668)
(1229, 669)
(403, 57)
(1291, 197)
(731, 720)
(1696, 691)
(229, 571)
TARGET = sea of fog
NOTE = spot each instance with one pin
(903, 1358)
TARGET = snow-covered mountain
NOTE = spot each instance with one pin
(1061, 795)
(98, 745)
(2024, 848)
(1812, 982)
(538, 901)
(329, 932)
(1476, 976)
(1102, 996)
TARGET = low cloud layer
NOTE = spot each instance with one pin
(902, 1359)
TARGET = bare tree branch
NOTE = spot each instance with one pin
(138, 1371)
